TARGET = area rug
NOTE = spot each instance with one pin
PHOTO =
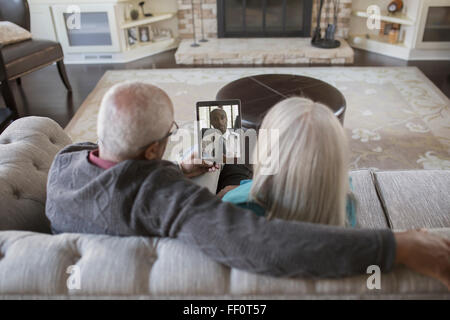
(396, 118)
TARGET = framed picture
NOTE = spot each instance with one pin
(144, 34)
(132, 36)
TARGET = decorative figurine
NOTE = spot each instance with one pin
(141, 4)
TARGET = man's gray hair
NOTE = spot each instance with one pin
(132, 115)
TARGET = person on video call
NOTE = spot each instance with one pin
(231, 174)
(229, 138)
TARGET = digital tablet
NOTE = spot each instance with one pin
(219, 130)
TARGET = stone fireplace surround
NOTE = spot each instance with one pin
(256, 51)
(185, 27)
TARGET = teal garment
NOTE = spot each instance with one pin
(240, 196)
(351, 206)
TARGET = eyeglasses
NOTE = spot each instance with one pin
(173, 129)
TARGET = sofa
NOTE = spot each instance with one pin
(36, 264)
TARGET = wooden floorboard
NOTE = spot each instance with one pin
(43, 94)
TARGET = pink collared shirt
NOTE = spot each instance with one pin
(97, 161)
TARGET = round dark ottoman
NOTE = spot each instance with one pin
(259, 93)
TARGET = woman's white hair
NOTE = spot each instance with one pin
(312, 180)
(132, 115)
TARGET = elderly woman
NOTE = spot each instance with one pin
(312, 182)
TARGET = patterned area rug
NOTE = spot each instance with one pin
(396, 118)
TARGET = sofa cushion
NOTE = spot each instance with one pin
(415, 199)
(27, 149)
(12, 33)
(369, 212)
(150, 267)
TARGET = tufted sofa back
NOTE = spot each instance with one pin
(37, 265)
(27, 149)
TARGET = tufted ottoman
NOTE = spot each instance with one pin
(34, 263)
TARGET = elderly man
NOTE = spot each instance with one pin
(122, 187)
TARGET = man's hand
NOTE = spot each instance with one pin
(425, 253)
(192, 166)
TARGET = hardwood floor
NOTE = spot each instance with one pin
(43, 94)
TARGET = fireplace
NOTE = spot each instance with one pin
(264, 18)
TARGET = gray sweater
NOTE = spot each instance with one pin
(153, 198)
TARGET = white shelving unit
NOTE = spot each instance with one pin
(379, 44)
(156, 18)
(411, 21)
(371, 40)
(399, 18)
(48, 22)
(148, 22)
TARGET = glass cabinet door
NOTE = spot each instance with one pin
(94, 30)
(437, 25)
(91, 28)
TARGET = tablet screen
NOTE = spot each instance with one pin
(219, 129)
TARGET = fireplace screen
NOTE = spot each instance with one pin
(264, 18)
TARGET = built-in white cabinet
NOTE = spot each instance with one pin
(423, 29)
(434, 22)
(101, 31)
(87, 28)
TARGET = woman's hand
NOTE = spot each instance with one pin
(425, 253)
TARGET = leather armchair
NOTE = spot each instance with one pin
(19, 59)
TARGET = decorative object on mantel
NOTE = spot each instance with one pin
(328, 42)
(203, 39)
(395, 6)
(134, 14)
(194, 44)
(141, 4)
